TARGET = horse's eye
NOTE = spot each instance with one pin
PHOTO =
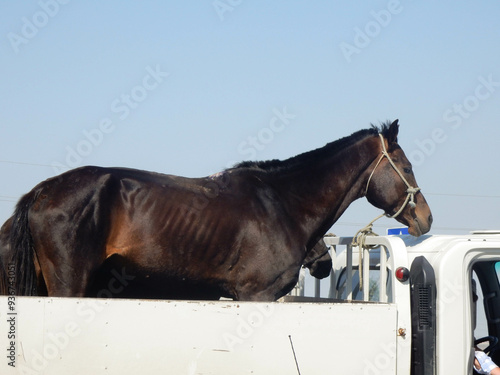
(407, 170)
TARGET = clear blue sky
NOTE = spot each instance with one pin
(184, 87)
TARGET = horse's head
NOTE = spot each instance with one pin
(392, 187)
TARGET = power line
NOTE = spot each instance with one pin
(386, 225)
(25, 163)
(464, 195)
(5, 198)
(426, 193)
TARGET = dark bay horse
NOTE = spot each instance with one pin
(243, 233)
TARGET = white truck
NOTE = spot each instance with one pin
(414, 313)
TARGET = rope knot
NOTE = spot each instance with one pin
(359, 240)
(411, 192)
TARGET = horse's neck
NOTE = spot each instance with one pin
(319, 194)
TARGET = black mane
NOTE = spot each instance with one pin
(312, 156)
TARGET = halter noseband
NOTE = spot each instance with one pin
(410, 191)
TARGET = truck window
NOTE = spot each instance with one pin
(486, 275)
(497, 271)
(481, 329)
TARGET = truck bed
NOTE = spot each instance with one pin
(97, 336)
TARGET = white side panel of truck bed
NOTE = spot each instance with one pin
(87, 336)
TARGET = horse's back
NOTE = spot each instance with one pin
(91, 185)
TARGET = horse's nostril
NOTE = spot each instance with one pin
(430, 219)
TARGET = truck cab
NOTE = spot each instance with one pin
(450, 299)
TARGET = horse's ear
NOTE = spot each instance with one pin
(392, 132)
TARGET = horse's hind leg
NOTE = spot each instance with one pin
(65, 274)
(41, 286)
(69, 237)
(67, 254)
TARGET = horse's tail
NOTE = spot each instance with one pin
(22, 262)
(3, 272)
(4, 256)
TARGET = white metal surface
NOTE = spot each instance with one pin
(87, 336)
(452, 258)
(391, 255)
